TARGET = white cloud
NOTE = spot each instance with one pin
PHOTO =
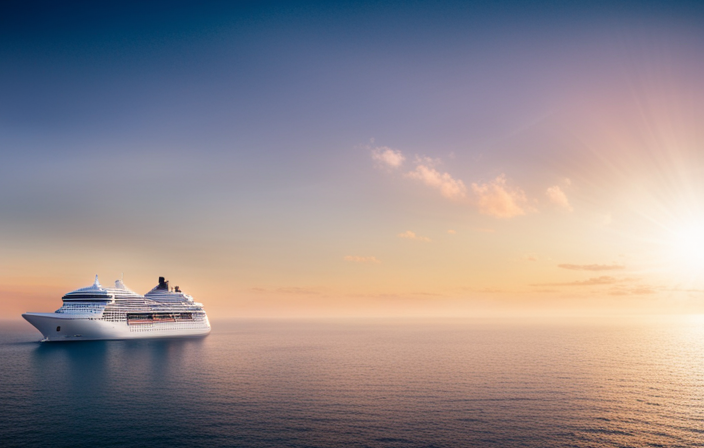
(449, 187)
(389, 157)
(412, 236)
(497, 199)
(558, 197)
(358, 259)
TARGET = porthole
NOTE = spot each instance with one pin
(58, 328)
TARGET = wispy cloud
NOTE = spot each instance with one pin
(603, 280)
(594, 281)
(388, 157)
(451, 232)
(591, 267)
(558, 197)
(358, 259)
(412, 236)
(448, 186)
(635, 291)
(296, 290)
(497, 199)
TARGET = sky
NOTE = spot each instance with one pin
(350, 159)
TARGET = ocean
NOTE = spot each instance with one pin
(375, 383)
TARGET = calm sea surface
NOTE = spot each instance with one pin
(377, 383)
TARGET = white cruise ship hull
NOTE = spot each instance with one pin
(72, 327)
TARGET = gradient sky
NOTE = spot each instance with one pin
(355, 159)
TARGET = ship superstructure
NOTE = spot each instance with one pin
(96, 312)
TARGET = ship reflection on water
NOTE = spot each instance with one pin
(102, 362)
(397, 383)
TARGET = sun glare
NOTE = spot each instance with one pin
(687, 251)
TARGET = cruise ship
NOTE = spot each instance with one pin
(100, 313)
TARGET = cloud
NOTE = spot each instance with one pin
(592, 267)
(635, 291)
(451, 232)
(390, 157)
(594, 281)
(495, 198)
(358, 259)
(296, 290)
(530, 258)
(412, 236)
(558, 197)
(603, 280)
(449, 187)
(499, 200)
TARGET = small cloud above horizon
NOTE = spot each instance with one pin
(412, 236)
(591, 267)
(635, 291)
(297, 290)
(358, 259)
(594, 281)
